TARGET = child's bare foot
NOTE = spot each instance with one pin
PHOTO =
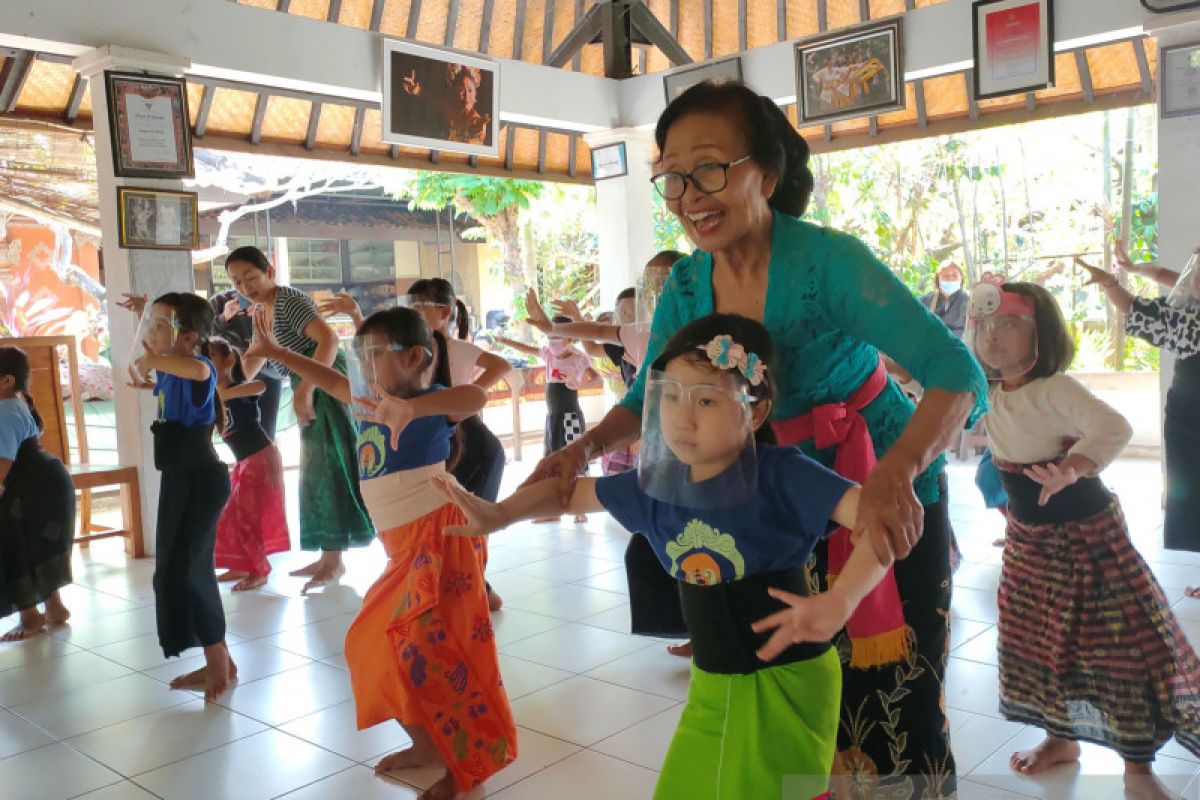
(304, 572)
(215, 676)
(56, 612)
(682, 650)
(495, 603)
(32, 623)
(580, 519)
(1192, 592)
(422, 753)
(232, 575)
(545, 520)
(329, 569)
(444, 789)
(250, 582)
(1050, 752)
(1142, 784)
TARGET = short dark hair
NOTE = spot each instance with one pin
(627, 294)
(193, 313)
(249, 255)
(773, 143)
(1056, 348)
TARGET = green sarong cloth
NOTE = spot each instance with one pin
(332, 513)
(771, 734)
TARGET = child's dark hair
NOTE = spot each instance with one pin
(752, 336)
(14, 362)
(627, 294)
(221, 346)
(1055, 347)
(771, 140)
(441, 291)
(249, 255)
(407, 328)
(193, 314)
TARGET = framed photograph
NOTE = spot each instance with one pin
(1179, 76)
(150, 126)
(1167, 6)
(856, 72)
(727, 69)
(440, 100)
(609, 161)
(1013, 46)
(153, 219)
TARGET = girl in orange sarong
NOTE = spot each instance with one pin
(421, 650)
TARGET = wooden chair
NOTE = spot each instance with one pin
(45, 386)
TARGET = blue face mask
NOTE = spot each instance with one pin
(949, 287)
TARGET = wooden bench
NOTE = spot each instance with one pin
(45, 386)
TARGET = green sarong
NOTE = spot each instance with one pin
(332, 513)
(767, 735)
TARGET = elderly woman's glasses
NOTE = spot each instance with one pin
(708, 178)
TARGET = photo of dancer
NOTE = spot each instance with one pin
(441, 100)
(850, 75)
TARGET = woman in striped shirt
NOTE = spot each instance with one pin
(332, 515)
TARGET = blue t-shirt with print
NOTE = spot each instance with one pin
(16, 426)
(425, 441)
(776, 529)
(190, 403)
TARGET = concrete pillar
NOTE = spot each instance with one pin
(624, 210)
(152, 272)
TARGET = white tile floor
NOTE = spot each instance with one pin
(86, 712)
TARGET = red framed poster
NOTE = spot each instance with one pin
(150, 126)
(1013, 46)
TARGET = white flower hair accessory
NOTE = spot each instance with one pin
(725, 353)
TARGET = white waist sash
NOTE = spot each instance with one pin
(401, 497)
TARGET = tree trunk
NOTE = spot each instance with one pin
(505, 230)
(969, 261)
(1111, 315)
(1118, 329)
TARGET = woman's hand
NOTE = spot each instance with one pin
(569, 308)
(133, 302)
(231, 309)
(535, 314)
(808, 619)
(389, 411)
(302, 404)
(264, 345)
(340, 303)
(565, 465)
(482, 517)
(1096, 275)
(1053, 478)
(1124, 262)
(889, 508)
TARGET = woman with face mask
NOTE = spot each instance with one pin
(949, 302)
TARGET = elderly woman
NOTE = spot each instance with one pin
(1172, 323)
(735, 172)
(948, 301)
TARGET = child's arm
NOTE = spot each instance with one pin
(192, 369)
(540, 499)
(5, 466)
(456, 403)
(587, 331)
(247, 389)
(265, 347)
(494, 369)
(520, 347)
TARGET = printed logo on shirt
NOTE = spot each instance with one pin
(372, 449)
(703, 555)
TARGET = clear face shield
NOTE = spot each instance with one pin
(697, 447)
(649, 289)
(437, 315)
(373, 363)
(1185, 295)
(1002, 332)
(158, 330)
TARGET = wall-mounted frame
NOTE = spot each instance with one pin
(154, 219)
(608, 161)
(677, 82)
(440, 100)
(1167, 6)
(150, 126)
(1013, 42)
(856, 72)
(1179, 80)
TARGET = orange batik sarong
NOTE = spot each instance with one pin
(421, 650)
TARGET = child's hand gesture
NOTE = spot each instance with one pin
(340, 303)
(142, 367)
(133, 302)
(482, 517)
(390, 411)
(569, 308)
(810, 619)
(1096, 275)
(535, 314)
(264, 344)
(1053, 478)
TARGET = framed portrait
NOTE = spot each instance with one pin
(856, 72)
(1013, 43)
(154, 219)
(1179, 79)
(150, 126)
(440, 100)
(609, 161)
(678, 82)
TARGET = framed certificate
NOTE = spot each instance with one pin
(1179, 76)
(1014, 46)
(154, 219)
(609, 162)
(150, 125)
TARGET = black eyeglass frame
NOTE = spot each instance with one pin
(690, 177)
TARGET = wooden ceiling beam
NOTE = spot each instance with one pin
(577, 61)
(414, 19)
(742, 35)
(573, 155)
(972, 103)
(541, 162)
(708, 28)
(548, 31)
(822, 16)
(12, 79)
(314, 120)
(518, 31)
(509, 147)
(922, 111)
(335, 11)
(781, 20)
(649, 27)
(206, 101)
(485, 26)
(864, 10)
(1085, 75)
(356, 133)
(260, 115)
(377, 7)
(75, 100)
(451, 23)
(1143, 62)
(283, 5)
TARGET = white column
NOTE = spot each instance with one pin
(624, 210)
(135, 409)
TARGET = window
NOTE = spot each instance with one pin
(372, 261)
(315, 260)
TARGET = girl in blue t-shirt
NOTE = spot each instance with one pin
(735, 525)
(37, 509)
(194, 485)
(421, 650)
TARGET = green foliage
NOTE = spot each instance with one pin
(668, 230)
(487, 197)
